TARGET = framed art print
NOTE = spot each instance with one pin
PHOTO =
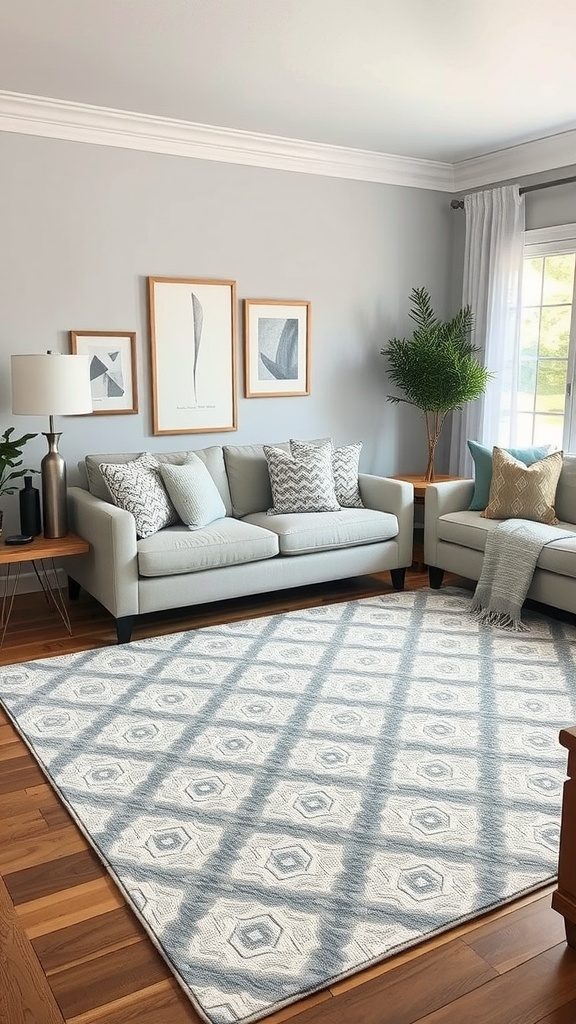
(193, 354)
(113, 377)
(276, 348)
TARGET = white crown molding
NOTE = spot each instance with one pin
(516, 162)
(102, 126)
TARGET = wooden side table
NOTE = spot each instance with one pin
(42, 552)
(420, 485)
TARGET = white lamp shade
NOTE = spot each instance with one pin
(51, 385)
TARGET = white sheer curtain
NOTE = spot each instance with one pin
(492, 281)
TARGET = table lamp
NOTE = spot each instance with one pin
(52, 385)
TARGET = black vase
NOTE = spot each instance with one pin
(30, 521)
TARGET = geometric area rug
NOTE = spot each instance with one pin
(287, 800)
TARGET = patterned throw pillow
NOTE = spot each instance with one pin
(523, 492)
(195, 496)
(482, 456)
(137, 487)
(345, 461)
(304, 483)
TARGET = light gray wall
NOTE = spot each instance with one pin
(83, 226)
(551, 206)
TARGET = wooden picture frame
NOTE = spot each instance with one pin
(193, 354)
(113, 372)
(276, 348)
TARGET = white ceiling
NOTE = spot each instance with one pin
(441, 80)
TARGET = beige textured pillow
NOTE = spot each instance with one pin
(523, 492)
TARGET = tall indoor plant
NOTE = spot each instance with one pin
(436, 368)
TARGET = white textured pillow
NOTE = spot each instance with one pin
(303, 481)
(193, 492)
(137, 487)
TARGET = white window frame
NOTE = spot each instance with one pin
(553, 241)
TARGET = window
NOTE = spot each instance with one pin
(548, 339)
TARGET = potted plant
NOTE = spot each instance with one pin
(436, 368)
(10, 462)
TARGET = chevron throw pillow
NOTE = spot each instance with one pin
(523, 492)
(345, 461)
(137, 487)
(304, 483)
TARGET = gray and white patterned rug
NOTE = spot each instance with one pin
(287, 800)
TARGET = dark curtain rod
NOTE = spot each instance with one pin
(458, 204)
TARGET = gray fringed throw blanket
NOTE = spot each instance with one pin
(512, 550)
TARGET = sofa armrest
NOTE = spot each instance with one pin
(109, 571)
(442, 498)
(397, 497)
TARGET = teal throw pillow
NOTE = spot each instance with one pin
(482, 456)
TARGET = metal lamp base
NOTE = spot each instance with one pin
(54, 496)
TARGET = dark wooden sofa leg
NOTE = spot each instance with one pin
(73, 589)
(435, 576)
(124, 628)
(398, 576)
(564, 898)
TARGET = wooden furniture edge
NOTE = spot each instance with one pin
(564, 897)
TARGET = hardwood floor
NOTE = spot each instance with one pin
(71, 950)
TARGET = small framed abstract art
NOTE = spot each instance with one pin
(113, 376)
(193, 354)
(276, 348)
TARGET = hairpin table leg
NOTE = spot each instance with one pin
(8, 594)
(52, 588)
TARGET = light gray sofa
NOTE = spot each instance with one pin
(247, 552)
(454, 539)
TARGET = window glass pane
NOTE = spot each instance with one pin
(558, 278)
(527, 385)
(529, 328)
(532, 281)
(555, 331)
(548, 430)
(547, 338)
(525, 424)
(551, 387)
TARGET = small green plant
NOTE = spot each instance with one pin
(436, 368)
(10, 460)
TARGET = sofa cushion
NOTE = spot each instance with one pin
(193, 492)
(137, 488)
(470, 530)
(224, 542)
(482, 456)
(301, 533)
(248, 477)
(565, 502)
(303, 480)
(212, 458)
(523, 492)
